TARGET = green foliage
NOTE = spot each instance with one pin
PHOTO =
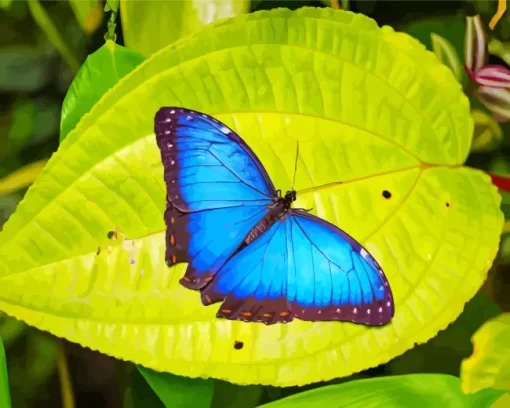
(150, 26)
(50, 29)
(445, 352)
(100, 72)
(489, 366)
(5, 396)
(418, 390)
(179, 392)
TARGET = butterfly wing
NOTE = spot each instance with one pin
(335, 277)
(306, 268)
(253, 284)
(217, 191)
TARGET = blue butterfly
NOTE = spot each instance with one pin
(244, 243)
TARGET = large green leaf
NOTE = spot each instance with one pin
(403, 391)
(489, 366)
(150, 26)
(101, 71)
(372, 111)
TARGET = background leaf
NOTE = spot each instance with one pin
(21, 178)
(48, 27)
(5, 396)
(489, 366)
(500, 49)
(227, 395)
(139, 393)
(435, 238)
(179, 392)
(447, 54)
(148, 27)
(101, 71)
(5, 4)
(487, 9)
(89, 13)
(403, 391)
(445, 352)
(487, 134)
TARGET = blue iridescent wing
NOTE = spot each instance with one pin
(217, 191)
(303, 267)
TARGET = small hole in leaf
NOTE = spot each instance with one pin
(238, 345)
(447, 204)
(386, 194)
(110, 234)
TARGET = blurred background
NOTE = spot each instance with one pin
(42, 46)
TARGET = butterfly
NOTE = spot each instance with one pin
(245, 245)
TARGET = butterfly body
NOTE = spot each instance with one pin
(244, 243)
(276, 210)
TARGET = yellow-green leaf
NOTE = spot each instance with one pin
(89, 14)
(372, 111)
(502, 402)
(489, 365)
(149, 26)
(21, 178)
(487, 134)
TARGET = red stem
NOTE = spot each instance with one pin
(503, 183)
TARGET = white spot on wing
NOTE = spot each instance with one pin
(225, 130)
(363, 253)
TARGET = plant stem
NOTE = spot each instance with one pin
(66, 387)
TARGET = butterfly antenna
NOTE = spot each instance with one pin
(295, 166)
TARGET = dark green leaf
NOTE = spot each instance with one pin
(139, 394)
(101, 71)
(179, 392)
(404, 391)
(31, 368)
(47, 25)
(444, 353)
(10, 329)
(227, 395)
